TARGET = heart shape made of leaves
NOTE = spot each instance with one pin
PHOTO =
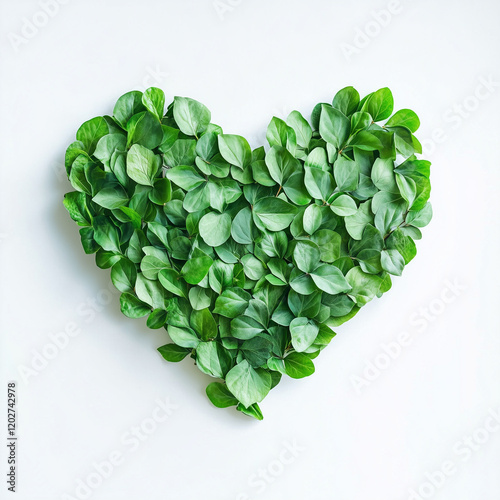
(249, 258)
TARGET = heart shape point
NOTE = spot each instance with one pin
(247, 257)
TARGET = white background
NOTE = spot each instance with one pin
(247, 60)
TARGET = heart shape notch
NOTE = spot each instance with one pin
(249, 258)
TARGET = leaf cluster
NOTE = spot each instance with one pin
(248, 258)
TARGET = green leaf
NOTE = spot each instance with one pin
(123, 275)
(132, 307)
(75, 203)
(142, 165)
(257, 350)
(334, 126)
(252, 411)
(379, 105)
(151, 292)
(111, 197)
(319, 183)
(346, 173)
(203, 323)
(306, 256)
(303, 332)
(232, 302)
(344, 206)
(182, 152)
(90, 133)
(199, 298)
(355, 224)
(330, 279)
(298, 365)
(220, 396)
(317, 158)
(392, 262)
(248, 385)
(184, 337)
(172, 281)
(127, 106)
(244, 328)
(312, 219)
(191, 116)
(185, 177)
(420, 218)
(281, 164)
(106, 235)
(403, 244)
(107, 146)
(215, 228)
(242, 227)
(329, 244)
(277, 132)
(197, 267)
(303, 131)
(253, 267)
(157, 319)
(346, 100)
(366, 141)
(144, 129)
(173, 352)
(273, 213)
(407, 187)
(364, 286)
(154, 101)
(404, 118)
(235, 150)
(161, 192)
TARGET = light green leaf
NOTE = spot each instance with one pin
(191, 116)
(312, 219)
(344, 206)
(298, 365)
(248, 385)
(142, 165)
(306, 256)
(303, 331)
(215, 228)
(404, 118)
(346, 173)
(203, 323)
(273, 213)
(90, 133)
(380, 104)
(232, 302)
(235, 150)
(172, 281)
(154, 101)
(197, 267)
(330, 279)
(334, 126)
(220, 396)
(123, 275)
(392, 262)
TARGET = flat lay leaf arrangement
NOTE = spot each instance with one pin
(249, 257)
